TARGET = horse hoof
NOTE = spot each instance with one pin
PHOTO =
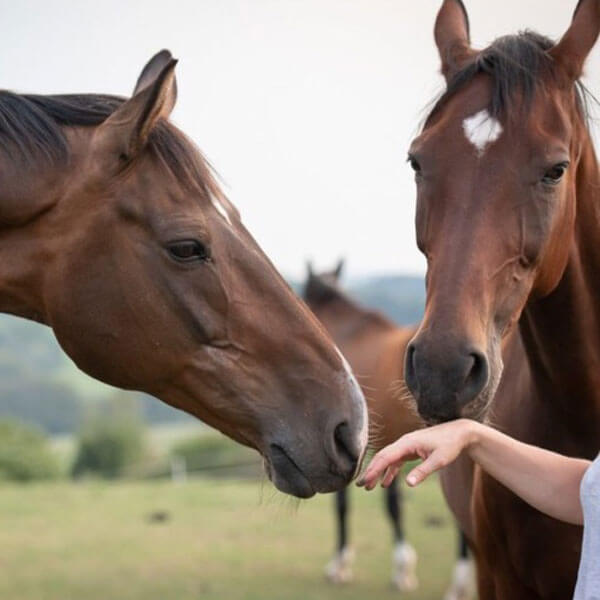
(404, 570)
(405, 584)
(458, 595)
(462, 586)
(339, 569)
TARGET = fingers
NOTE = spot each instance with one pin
(389, 459)
(389, 476)
(436, 446)
(433, 463)
(375, 470)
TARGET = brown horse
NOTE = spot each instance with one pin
(115, 234)
(508, 216)
(375, 347)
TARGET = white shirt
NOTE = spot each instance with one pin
(588, 580)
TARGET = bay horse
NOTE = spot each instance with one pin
(375, 347)
(508, 217)
(115, 234)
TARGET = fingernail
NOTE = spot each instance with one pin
(360, 482)
(411, 480)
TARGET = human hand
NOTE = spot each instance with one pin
(436, 446)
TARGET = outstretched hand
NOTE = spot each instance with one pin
(436, 446)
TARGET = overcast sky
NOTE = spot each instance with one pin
(305, 107)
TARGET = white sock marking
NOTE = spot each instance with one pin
(463, 581)
(404, 568)
(339, 569)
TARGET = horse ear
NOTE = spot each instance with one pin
(339, 269)
(126, 131)
(152, 70)
(452, 37)
(309, 268)
(575, 45)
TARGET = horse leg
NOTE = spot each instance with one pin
(462, 586)
(404, 558)
(339, 569)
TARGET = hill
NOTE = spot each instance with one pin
(399, 297)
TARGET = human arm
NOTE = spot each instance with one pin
(547, 481)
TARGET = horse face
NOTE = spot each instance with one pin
(495, 170)
(160, 288)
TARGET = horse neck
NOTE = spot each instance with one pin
(561, 332)
(28, 196)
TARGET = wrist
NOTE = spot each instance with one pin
(472, 434)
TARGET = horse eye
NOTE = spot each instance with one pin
(555, 174)
(188, 250)
(414, 164)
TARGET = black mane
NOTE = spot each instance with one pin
(518, 66)
(32, 125)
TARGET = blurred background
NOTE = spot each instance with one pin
(306, 109)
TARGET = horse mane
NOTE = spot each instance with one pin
(32, 125)
(519, 66)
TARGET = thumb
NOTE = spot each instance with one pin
(434, 462)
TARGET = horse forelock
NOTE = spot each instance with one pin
(518, 67)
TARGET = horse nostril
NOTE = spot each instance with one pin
(476, 379)
(345, 445)
(444, 379)
(410, 369)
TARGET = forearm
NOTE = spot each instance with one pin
(547, 481)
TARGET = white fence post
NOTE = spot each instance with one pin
(178, 469)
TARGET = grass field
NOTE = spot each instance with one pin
(221, 541)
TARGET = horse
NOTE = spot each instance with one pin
(116, 235)
(374, 347)
(508, 218)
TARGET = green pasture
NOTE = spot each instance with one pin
(214, 540)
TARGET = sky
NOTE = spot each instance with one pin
(306, 108)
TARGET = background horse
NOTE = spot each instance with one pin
(115, 234)
(508, 216)
(375, 347)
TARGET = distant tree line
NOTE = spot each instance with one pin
(401, 298)
(114, 444)
(57, 409)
